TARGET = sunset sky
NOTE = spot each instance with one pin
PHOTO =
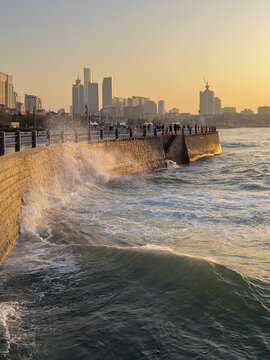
(160, 49)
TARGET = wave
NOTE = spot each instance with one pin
(161, 265)
(8, 314)
(236, 145)
(90, 169)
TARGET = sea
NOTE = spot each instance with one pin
(172, 264)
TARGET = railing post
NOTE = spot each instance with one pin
(195, 129)
(101, 134)
(48, 138)
(34, 139)
(116, 133)
(155, 131)
(62, 137)
(17, 140)
(76, 136)
(130, 133)
(2, 143)
(144, 132)
(89, 135)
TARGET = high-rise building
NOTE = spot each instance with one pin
(149, 109)
(207, 101)
(107, 91)
(17, 104)
(217, 106)
(161, 107)
(9, 92)
(2, 88)
(87, 80)
(6, 90)
(32, 103)
(92, 101)
(78, 98)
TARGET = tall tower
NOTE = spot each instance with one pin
(87, 80)
(78, 98)
(217, 106)
(3, 88)
(9, 92)
(207, 101)
(32, 103)
(107, 91)
(92, 102)
(161, 107)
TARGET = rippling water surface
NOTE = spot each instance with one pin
(169, 265)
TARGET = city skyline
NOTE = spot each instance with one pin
(185, 41)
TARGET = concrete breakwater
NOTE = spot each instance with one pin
(35, 168)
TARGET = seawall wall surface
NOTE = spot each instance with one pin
(202, 145)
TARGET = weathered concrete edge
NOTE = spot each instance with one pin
(199, 146)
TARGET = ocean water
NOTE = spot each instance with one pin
(174, 264)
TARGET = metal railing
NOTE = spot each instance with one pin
(16, 141)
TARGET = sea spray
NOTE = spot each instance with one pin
(78, 167)
(9, 314)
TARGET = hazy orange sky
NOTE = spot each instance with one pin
(160, 49)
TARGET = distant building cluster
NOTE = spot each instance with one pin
(11, 102)
(85, 100)
(113, 110)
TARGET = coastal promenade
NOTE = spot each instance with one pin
(19, 140)
(41, 159)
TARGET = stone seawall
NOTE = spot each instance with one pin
(25, 170)
(20, 172)
(187, 148)
(34, 168)
(202, 145)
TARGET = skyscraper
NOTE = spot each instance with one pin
(107, 91)
(207, 101)
(87, 80)
(78, 98)
(32, 103)
(161, 107)
(217, 106)
(149, 109)
(92, 101)
(6, 90)
(2, 88)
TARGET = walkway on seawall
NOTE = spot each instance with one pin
(17, 140)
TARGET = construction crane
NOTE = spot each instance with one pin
(206, 83)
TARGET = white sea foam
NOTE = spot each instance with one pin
(171, 164)
(8, 313)
(35, 203)
(167, 249)
(79, 167)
